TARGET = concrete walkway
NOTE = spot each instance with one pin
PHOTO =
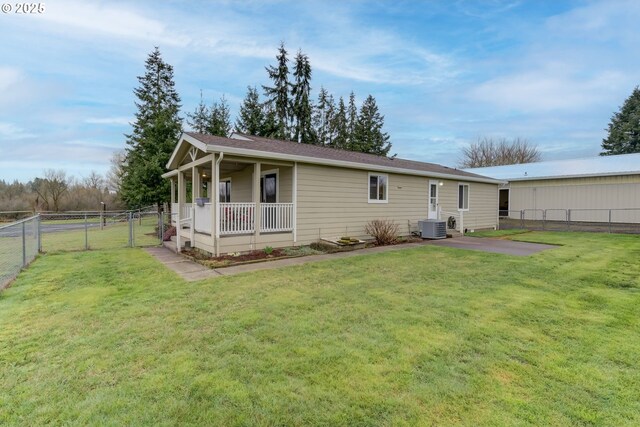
(192, 271)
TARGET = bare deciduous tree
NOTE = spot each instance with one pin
(116, 172)
(497, 152)
(57, 184)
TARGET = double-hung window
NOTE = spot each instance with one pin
(463, 197)
(378, 188)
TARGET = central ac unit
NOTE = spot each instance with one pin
(433, 229)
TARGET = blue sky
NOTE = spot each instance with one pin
(443, 72)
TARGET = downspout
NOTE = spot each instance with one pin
(216, 201)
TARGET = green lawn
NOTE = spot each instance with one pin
(112, 235)
(430, 336)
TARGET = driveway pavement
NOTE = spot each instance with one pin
(499, 246)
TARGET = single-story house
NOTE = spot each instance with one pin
(587, 187)
(247, 192)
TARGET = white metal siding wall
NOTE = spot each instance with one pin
(615, 192)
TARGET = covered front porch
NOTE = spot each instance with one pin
(224, 204)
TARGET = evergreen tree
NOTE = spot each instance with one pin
(301, 109)
(269, 127)
(323, 116)
(219, 119)
(368, 135)
(251, 118)
(278, 94)
(352, 120)
(155, 132)
(624, 128)
(197, 120)
(339, 129)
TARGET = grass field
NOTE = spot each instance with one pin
(428, 336)
(113, 235)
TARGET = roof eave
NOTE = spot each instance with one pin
(212, 148)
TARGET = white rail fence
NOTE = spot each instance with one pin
(236, 218)
(276, 217)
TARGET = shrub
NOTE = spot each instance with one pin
(171, 231)
(384, 231)
(268, 250)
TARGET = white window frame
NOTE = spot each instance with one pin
(462, 184)
(220, 181)
(386, 190)
(271, 172)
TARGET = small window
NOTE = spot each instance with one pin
(225, 191)
(463, 197)
(378, 185)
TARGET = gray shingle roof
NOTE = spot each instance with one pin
(277, 146)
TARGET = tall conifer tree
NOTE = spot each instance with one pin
(624, 128)
(278, 94)
(252, 115)
(323, 116)
(352, 120)
(155, 133)
(369, 136)
(219, 120)
(197, 120)
(303, 131)
(339, 127)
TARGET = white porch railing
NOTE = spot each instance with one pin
(203, 218)
(276, 217)
(236, 218)
(185, 213)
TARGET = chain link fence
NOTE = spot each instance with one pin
(19, 243)
(597, 220)
(75, 231)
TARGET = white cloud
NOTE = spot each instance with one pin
(8, 77)
(9, 131)
(110, 19)
(115, 121)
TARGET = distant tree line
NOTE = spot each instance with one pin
(55, 191)
(497, 152)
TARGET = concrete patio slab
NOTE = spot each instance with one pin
(499, 246)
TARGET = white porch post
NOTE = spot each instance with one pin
(181, 200)
(195, 181)
(215, 164)
(212, 193)
(256, 199)
(294, 199)
(195, 184)
(173, 191)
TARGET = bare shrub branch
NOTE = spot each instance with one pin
(384, 231)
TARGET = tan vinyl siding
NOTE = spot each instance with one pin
(592, 193)
(333, 202)
(241, 185)
(483, 202)
(249, 242)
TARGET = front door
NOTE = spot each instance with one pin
(433, 199)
